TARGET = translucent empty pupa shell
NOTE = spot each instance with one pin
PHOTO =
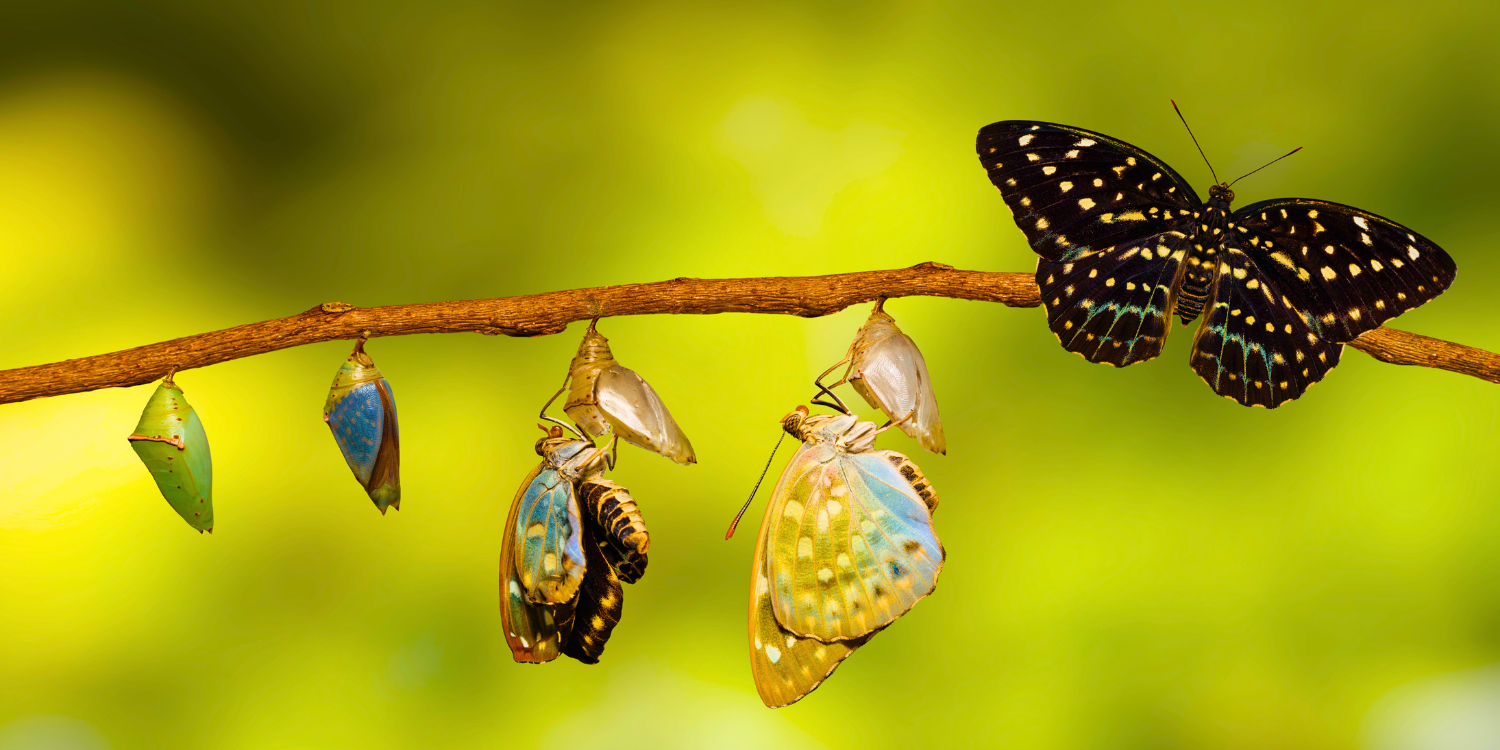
(888, 370)
(172, 444)
(361, 411)
(606, 397)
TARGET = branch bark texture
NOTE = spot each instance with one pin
(551, 312)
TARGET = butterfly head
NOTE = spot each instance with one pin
(553, 439)
(795, 423)
(1221, 192)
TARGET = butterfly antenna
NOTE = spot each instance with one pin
(1273, 161)
(1195, 140)
(746, 506)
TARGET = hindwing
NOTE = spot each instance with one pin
(851, 544)
(1073, 191)
(1114, 305)
(1254, 344)
(786, 667)
(600, 602)
(1353, 270)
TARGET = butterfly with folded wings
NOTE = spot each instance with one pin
(1125, 243)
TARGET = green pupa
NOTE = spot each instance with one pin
(171, 442)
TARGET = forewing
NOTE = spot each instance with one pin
(1073, 191)
(549, 557)
(1353, 270)
(854, 545)
(534, 632)
(1114, 305)
(1254, 345)
(785, 666)
(601, 600)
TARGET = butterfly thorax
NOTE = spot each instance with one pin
(574, 459)
(843, 432)
(1206, 240)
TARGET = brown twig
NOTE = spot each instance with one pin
(551, 312)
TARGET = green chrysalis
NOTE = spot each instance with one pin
(171, 442)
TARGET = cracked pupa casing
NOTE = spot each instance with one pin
(362, 414)
(172, 444)
(888, 370)
(606, 397)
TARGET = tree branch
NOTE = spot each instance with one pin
(551, 312)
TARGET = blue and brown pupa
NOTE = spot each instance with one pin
(362, 414)
(172, 444)
(888, 370)
(606, 397)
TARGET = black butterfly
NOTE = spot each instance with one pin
(1125, 243)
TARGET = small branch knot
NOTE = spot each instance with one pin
(932, 265)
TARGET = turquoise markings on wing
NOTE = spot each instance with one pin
(549, 536)
(855, 547)
(184, 475)
(534, 632)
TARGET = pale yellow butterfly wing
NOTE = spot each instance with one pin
(785, 666)
(850, 543)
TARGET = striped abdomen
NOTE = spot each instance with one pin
(1191, 298)
(624, 538)
(1197, 282)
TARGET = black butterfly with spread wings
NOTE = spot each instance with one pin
(1125, 244)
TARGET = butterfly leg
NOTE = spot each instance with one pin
(824, 389)
(543, 413)
(889, 424)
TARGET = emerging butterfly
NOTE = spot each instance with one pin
(846, 547)
(561, 566)
(1125, 244)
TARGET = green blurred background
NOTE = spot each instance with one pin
(1132, 561)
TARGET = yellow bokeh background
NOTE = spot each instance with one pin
(1132, 561)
